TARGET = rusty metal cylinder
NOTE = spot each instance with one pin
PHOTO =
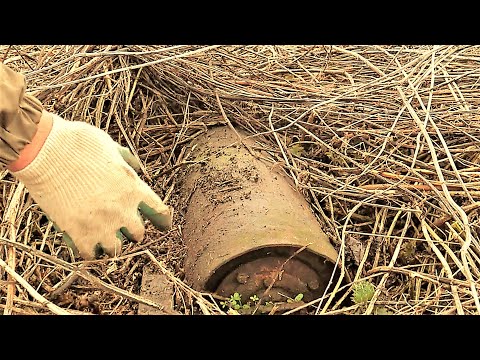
(247, 229)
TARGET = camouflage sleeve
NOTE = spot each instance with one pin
(19, 115)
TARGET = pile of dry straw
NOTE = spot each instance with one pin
(383, 141)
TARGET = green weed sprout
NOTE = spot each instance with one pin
(235, 302)
(297, 298)
(254, 298)
(363, 292)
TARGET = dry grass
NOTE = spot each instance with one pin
(383, 142)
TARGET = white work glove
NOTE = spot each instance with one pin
(86, 184)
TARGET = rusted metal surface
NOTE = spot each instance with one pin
(275, 276)
(244, 219)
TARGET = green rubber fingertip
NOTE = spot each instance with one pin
(123, 230)
(141, 217)
(98, 250)
(129, 158)
(68, 240)
(160, 221)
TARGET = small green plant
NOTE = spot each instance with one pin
(254, 298)
(363, 292)
(235, 302)
(297, 150)
(297, 298)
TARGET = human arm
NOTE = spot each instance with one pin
(82, 179)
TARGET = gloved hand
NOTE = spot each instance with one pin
(86, 184)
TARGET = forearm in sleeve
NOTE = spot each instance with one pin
(19, 115)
